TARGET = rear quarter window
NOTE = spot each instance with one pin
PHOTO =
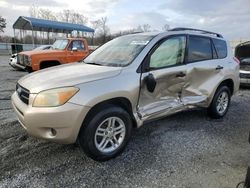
(199, 49)
(221, 48)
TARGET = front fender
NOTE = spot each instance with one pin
(122, 85)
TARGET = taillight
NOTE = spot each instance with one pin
(236, 60)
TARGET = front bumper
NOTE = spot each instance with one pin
(13, 63)
(59, 124)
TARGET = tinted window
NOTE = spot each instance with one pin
(170, 52)
(199, 49)
(221, 48)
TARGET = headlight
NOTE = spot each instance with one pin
(28, 60)
(54, 97)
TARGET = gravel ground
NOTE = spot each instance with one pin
(185, 150)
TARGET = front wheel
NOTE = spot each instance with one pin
(220, 104)
(29, 69)
(106, 134)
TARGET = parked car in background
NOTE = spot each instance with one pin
(126, 82)
(62, 51)
(242, 52)
(16, 65)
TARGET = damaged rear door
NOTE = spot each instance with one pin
(163, 78)
(204, 70)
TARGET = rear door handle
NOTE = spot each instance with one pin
(180, 74)
(219, 67)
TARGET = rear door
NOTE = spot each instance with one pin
(162, 82)
(76, 51)
(205, 70)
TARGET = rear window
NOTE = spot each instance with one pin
(221, 48)
(199, 49)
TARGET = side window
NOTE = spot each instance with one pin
(221, 48)
(170, 52)
(79, 45)
(199, 49)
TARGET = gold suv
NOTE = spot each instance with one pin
(124, 83)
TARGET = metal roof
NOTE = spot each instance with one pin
(35, 24)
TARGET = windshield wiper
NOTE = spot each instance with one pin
(94, 64)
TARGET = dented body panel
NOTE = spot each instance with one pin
(166, 96)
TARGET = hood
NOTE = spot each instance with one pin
(34, 52)
(66, 75)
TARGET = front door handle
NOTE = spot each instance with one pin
(219, 67)
(180, 74)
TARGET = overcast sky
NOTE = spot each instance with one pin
(229, 17)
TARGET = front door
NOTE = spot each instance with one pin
(161, 86)
(76, 51)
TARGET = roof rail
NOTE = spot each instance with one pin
(199, 30)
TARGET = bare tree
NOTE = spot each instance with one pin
(65, 15)
(46, 14)
(33, 10)
(2, 24)
(166, 27)
(143, 28)
(79, 18)
(139, 28)
(71, 16)
(146, 27)
(104, 28)
(95, 25)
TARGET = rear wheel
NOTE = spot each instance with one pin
(106, 134)
(220, 104)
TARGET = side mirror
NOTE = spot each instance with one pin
(150, 82)
(74, 49)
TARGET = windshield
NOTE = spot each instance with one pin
(119, 52)
(41, 48)
(60, 44)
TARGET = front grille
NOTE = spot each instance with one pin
(20, 59)
(23, 93)
(25, 59)
(243, 75)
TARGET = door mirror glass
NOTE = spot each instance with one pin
(74, 49)
(168, 53)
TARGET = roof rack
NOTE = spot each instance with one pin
(199, 30)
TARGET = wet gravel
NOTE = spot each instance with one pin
(185, 150)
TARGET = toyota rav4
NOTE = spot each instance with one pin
(125, 83)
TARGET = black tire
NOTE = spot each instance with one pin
(87, 133)
(212, 109)
(29, 69)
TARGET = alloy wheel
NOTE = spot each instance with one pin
(110, 134)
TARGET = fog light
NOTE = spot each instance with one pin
(53, 132)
